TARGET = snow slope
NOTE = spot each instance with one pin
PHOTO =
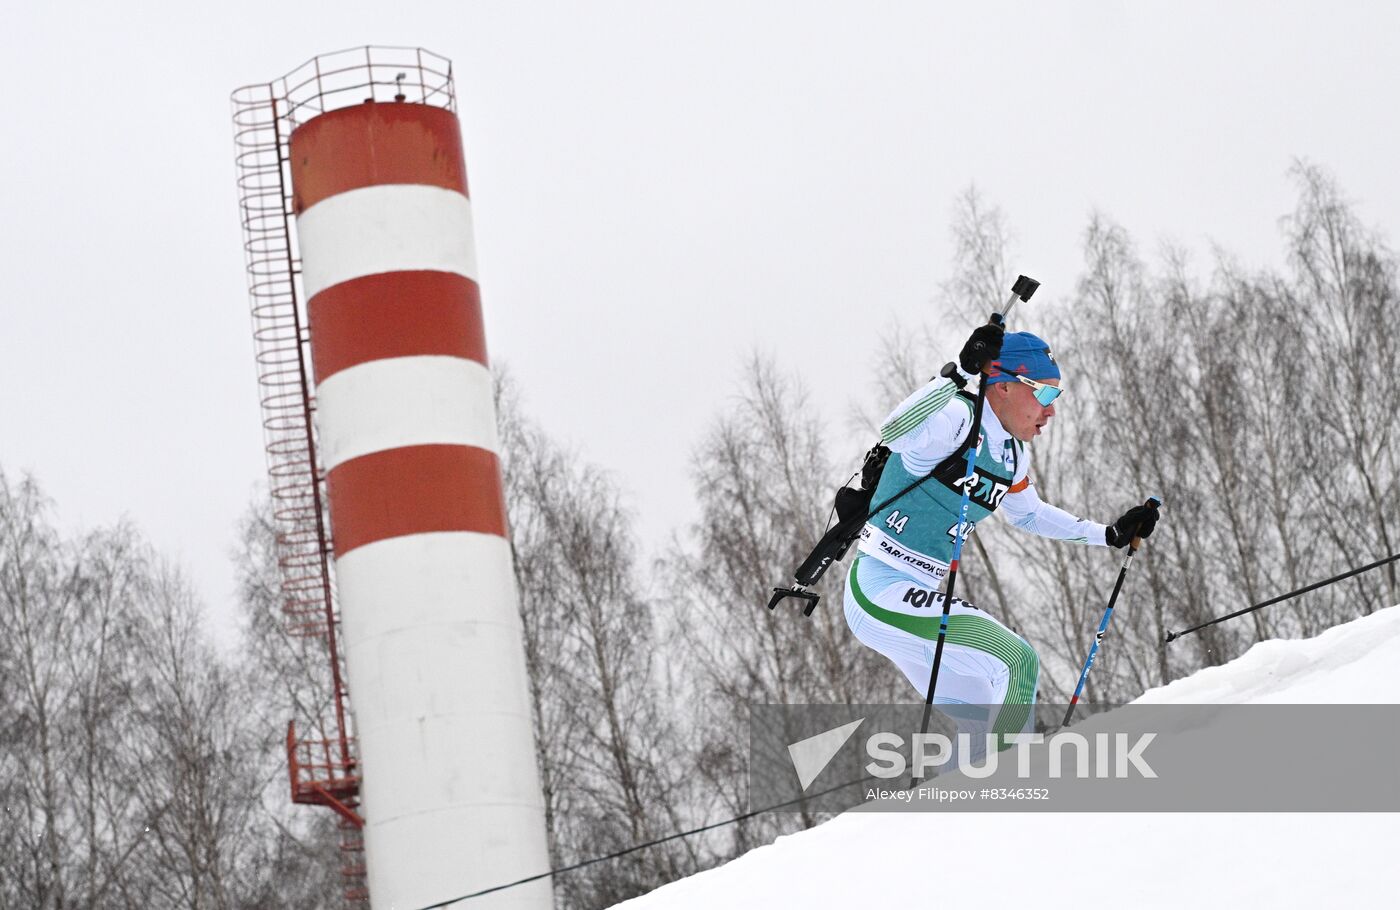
(1119, 860)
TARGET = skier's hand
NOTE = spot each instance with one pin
(982, 346)
(1136, 522)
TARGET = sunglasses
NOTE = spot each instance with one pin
(1044, 394)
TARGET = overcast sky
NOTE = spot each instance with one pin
(659, 189)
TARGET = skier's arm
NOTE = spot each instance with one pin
(1024, 509)
(933, 440)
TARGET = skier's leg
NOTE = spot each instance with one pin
(984, 662)
(909, 653)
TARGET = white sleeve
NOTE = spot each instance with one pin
(933, 440)
(1025, 510)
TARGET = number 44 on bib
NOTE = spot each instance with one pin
(897, 521)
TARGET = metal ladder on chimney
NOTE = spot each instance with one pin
(322, 769)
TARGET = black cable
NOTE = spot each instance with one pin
(1173, 636)
(643, 846)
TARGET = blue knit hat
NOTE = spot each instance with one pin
(1024, 354)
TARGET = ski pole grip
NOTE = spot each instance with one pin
(1022, 290)
(1154, 504)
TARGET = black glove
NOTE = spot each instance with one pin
(984, 345)
(1136, 522)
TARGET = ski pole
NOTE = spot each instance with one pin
(1021, 290)
(1152, 503)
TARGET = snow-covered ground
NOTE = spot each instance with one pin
(1120, 860)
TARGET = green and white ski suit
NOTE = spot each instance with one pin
(892, 599)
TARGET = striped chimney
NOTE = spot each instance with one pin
(407, 432)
